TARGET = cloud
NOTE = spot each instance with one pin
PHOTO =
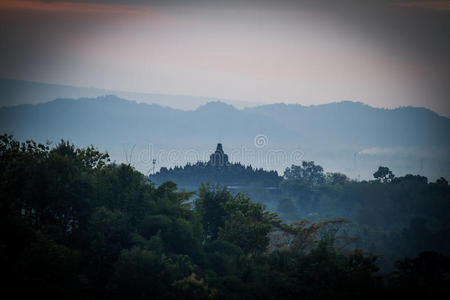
(433, 5)
(422, 152)
(379, 151)
(74, 7)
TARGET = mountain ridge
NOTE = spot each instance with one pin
(14, 91)
(297, 118)
(330, 134)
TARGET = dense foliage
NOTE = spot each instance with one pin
(75, 226)
(392, 216)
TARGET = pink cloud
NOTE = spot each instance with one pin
(433, 5)
(72, 7)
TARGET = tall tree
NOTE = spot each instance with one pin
(383, 174)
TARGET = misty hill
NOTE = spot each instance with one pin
(346, 136)
(110, 120)
(13, 92)
(355, 123)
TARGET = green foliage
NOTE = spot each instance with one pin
(382, 211)
(48, 267)
(192, 288)
(235, 219)
(247, 224)
(422, 277)
(336, 178)
(210, 206)
(75, 226)
(309, 173)
(142, 274)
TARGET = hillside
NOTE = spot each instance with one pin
(13, 92)
(346, 136)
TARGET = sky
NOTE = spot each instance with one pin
(383, 53)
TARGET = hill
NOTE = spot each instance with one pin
(347, 136)
(13, 92)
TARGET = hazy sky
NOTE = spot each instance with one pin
(383, 53)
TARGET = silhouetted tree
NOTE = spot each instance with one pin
(383, 174)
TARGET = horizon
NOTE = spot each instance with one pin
(239, 104)
(349, 137)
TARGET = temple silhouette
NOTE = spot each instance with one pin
(218, 158)
(218, 170)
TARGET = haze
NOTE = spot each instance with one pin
(385, 54)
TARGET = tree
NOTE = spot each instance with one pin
(423, 276)
(442, 181)
(192, 288)
(336, 178)
(210, 206)
(74, 226)
(247, 224)
(234, 218)
(308, 172)
(384, 175)
(143, 274)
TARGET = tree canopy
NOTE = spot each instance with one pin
(75, 226)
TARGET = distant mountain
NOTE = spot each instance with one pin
(109, 120)
(14, 92)
(350, 137)
(358, 124)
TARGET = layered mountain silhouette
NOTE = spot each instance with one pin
(13, 92)
(344, 136)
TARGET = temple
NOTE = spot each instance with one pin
(218, 158)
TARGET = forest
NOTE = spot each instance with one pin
(74, 225)
(392, 217)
